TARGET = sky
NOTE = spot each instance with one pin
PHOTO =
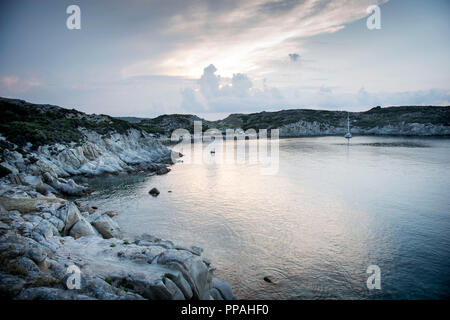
(216, 57)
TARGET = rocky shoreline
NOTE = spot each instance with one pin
(53, 248)
(314, 129)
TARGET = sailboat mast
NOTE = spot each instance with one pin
(348, 122)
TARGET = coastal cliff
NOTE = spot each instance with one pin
(53, 144)
(46, 239)
(53, 165)
(404, 121)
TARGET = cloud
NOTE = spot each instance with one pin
(245, 35)
(12, 84)
(362, 99)
(9, 82)
(241, 85)
(294, 56)
(192, 101)
(146, 58)
(216, 94)
(209, 82)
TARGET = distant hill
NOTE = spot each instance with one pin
(374, 117)
(40, 124)
(168, 123)
(405, 120)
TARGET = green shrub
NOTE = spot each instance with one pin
(4, 171)
(169, 275)
(25, 122)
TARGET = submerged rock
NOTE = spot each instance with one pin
(162, 170)
(111, 213)
(87, 208)
(154, 192)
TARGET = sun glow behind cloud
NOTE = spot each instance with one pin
(247, 37)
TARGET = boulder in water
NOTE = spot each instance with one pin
(154, 192)
(111, 213)
(162, 170)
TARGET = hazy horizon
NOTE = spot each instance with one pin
(221, 118)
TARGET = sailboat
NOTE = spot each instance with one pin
(348, 135)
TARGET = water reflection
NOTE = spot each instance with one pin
(315, 226)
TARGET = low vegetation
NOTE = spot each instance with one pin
(375, 117)
(24, 122)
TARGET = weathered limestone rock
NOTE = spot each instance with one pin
(82, 228)
(86, 208)
(10, 285)
(64, 186)
(215, 294)
(42, 189)
(58, 223)
(223, 288)
(46, 229)
(39, 243)
(31, 180)
(70, 215)
(107, 227)
(45, 293)
(162, 170)
(191, 267)
(111, 214)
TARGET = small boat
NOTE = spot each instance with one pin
(348, 135)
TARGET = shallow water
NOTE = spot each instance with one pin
(315, 226)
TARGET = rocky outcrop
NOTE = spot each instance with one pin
(82, 228)
(305, 128)
(107, 227)
(44, 239)
(52, 167)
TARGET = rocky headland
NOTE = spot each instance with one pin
(48, 239)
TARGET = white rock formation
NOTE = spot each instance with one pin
(98, 154)
(107, 227)
(40, 237)
(305, 128)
